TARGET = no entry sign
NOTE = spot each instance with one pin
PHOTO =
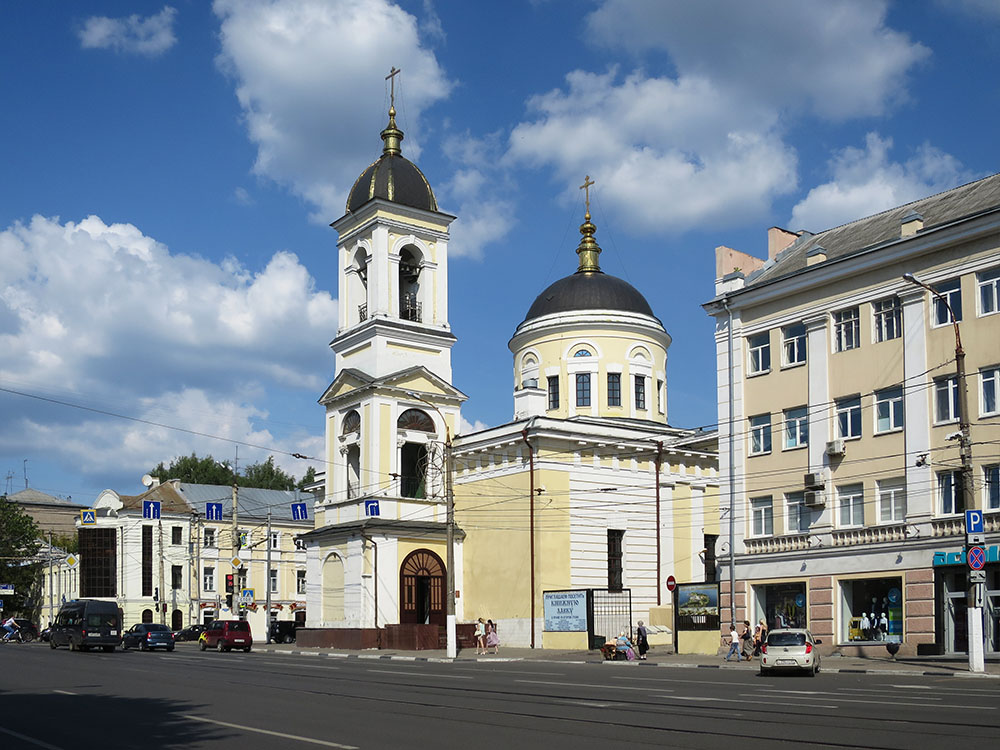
(671, 583)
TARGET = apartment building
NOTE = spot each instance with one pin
(839, 424)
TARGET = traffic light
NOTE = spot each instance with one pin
(229, 601)
(230, 578)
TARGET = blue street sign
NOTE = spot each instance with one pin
(299, 512)
(1, 603)
(151, 509)
(88, 517)
(213, 511)
(974, 522)
(371, 507)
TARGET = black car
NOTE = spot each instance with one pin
(28, 630)
(190, 633)
(148, 635)
(283, 631)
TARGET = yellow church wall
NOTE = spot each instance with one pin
(387, 439)
(565, 641)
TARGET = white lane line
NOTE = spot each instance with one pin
(834, 694)
(700, 699)
(589, 704)
(580, 684)
(421, 674)
(30, 740)
(512, 671)
(913, 687)
(64, 692)
(297, 738)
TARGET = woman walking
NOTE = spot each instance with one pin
(480, 636)
(492, 639)
(642, 640)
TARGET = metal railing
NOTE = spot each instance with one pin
(410, 308)
(362, 313)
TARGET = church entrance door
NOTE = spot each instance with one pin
(421, 589)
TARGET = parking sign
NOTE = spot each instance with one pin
(974, 522)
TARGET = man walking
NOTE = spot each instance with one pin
(734, 642)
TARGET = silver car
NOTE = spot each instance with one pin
(792, 649)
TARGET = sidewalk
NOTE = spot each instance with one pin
(913, 666)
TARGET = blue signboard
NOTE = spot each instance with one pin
(371, 507)
(299, 512)
(959, 558)
(213, 511)
(565, 611)
(151, 509)
(88, 517)
(974, 522)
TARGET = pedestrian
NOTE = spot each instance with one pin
(480, 636)
(492, 639)
(624, 645)
(747, 641)
(642, 640)
(734, 642)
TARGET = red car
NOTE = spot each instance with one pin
(225, 635)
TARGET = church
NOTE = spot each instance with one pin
(587, 494)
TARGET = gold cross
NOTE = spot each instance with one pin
(587, 182)
(392, 85)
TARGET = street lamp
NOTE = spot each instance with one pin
(450, 524)
(976, 661)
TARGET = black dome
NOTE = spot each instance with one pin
(589, 290)
(393, 178)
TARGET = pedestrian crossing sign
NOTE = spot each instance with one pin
(88, 517)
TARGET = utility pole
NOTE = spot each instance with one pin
(194, 583)
(51, 592)
(976, 591)
(267, 580)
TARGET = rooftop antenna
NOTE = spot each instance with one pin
(25, 473)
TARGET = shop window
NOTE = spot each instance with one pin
(989, 291)
(888, 319)
(951, 291)
(762, 516)
(851, 501)
(796, 428)
(781, 605)
(871, 610)
(760, 434)
(847, 329)
(793, 347)
(614, 389)
(759, 350)
(989, 390)
(553, 388)
(889, 409)
(849, 417)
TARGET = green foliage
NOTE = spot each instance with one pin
(19, 564)
(267, 476)
(308, 478)
(264, 475)
(66, 542)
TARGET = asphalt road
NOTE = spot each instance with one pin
(187, 699)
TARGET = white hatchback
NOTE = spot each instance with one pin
(792, 648)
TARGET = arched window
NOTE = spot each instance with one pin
(352, 423)
(147, 615)
(582, 353)
(415, 419)
(409, 284)
(358, 286)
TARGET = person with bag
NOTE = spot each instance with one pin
(480, 636)
(747, 641)
(642, 640)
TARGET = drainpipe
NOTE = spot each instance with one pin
(732, 468)
(659, 585)
(531, 525)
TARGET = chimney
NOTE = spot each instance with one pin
(816, 255)
(777, 240)
(910, 224)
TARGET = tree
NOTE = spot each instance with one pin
(195, 470)
(19, 562)
(308, 478)
(267, 476)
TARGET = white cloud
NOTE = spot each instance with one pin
(150, 36)
(102, 315)
(865, 181)
(666, 154)
(467, 428)
(839, 60)
(309, 77)
(978, 10)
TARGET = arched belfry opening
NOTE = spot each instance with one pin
(351, 432)
(414, 454)
(421, 589)
(357, 282)
(410, 306)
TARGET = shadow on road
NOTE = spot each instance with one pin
(72, 722)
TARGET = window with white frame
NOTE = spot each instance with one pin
(553, 391)
(661, 396)
(762, 516)
(851, 502)
(849, 417)
(209, 536)
(847, 329)
(640, 391)
(583, 389)
(300, 582)
(950, 498)
(208, 579)
(272, 580)
(888, 318)
(889, 409)
(614, 389)
(989, 389)
(991, 487)
(946, 399)
(988, 283)
(799, 514)
(760, 434)
(952, 291)
(793, 344)
(759, 350)
(891, 501)
(796, 428)
(274, 540)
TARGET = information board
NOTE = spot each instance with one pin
(565, 611)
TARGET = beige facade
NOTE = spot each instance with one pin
(844, 437)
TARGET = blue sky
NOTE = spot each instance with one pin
(168, 173)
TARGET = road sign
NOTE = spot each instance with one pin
(671, 583)
(299, 512)
(88, 517)
(371, 508)
(974, 522)
(72, 560)
(151, 509)
(6, 589)
(236, 562)
(213, 511)
(977, 576)
(1, 605)
(977, 558)
(246, 597)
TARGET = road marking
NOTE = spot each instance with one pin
(913, 687)
(25, 738)
(242, 728)
(588, 704)
(578, 684)
(64, 692)
(512, 671)
(421, 674)
(741, 700)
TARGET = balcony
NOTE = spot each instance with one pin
(768, 544)
(869, 535)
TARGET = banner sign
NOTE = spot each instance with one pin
(565, 611)
(697, 606)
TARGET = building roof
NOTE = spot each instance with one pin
(185, 498)
(35, 497)
(392, 177)
(962, 202)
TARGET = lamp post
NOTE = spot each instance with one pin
(974, 613)
(450, 626)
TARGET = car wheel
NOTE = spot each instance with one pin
(72, 645)
(246, 650)
(109, 649)
(81, 647)
(289, 639)
(202, 645)
(170, 648)
(124, 645)
(220, 646)
(763, 672)
(143, 646)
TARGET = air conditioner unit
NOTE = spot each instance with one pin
(814, 482)
(814, 498)
(835, 448)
